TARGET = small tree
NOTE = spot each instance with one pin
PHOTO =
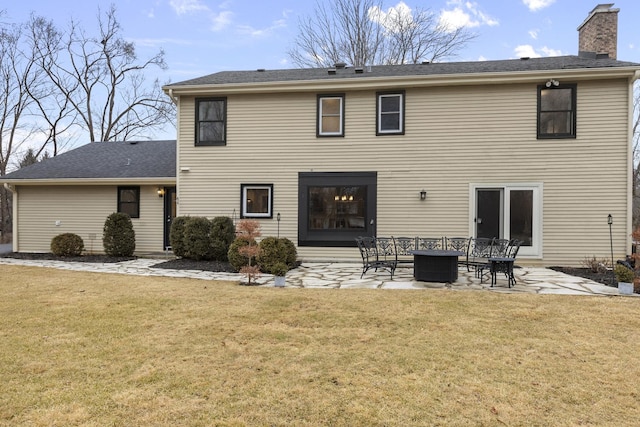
(250, 230)
(118, 237)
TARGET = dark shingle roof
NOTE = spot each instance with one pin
(431, 69)
(106, 160)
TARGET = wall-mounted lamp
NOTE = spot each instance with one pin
(161, 192)
(423, 195)
(552, 82)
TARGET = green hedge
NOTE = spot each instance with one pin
(118, 237)
(67, 244)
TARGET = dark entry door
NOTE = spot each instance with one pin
(489, 213)
(169, 212)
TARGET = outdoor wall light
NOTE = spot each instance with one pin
(552, 82)
(423, 195)
(161, 192)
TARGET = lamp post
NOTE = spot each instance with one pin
(613, 271)
(278, 219)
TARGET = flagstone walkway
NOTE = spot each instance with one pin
(347, 276)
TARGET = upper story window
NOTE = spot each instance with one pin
(390, 113)
(129, 201)
(556, 111)
(211, 121)
(330, 115)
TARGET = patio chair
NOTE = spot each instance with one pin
(404, 246)
(460, 244)
(499, 249)
(377, 252)
(429, 243)
(478, 253)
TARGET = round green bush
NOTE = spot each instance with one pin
(236, 259)
(176, 236)
(624, 274)
(196, 238)
(118, 236)
(223, 232)
(274, 251)
(67, 244)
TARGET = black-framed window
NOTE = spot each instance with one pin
(557, 111)
(390, 113)
(129, 201)
(336, 207)
(330, 115)
(211, 121)
(257, 200)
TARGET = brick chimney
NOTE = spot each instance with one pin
(598, 34)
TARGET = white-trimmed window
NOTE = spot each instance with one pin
(390, 114)
(257, 200)
(331, 115)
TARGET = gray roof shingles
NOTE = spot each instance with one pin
(106, 160)
(568, 62)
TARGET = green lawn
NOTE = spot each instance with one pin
(105, 349)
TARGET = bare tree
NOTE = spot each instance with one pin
(18, 71)
(636, 154)
(97, 83)
(360, 33)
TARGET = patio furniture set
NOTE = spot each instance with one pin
(437, 259)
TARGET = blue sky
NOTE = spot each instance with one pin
(205, 36)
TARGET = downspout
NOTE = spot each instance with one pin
(14, 214)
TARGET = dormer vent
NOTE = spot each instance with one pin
(331, 71)
(359, 70)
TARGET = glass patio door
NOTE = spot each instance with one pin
(510, 212)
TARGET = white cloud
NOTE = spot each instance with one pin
(220, 21)
(535, 5)
(464, 14)
(528, 51)
(256, 32)
(183, 7)
(533, 34)
(399, 13)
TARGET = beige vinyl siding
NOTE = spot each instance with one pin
(83, 210)
(454, 137)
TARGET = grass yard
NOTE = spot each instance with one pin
(109, 350)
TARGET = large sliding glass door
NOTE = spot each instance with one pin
(510, 211)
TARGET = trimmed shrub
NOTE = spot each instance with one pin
(197, 244)
(118, 237)
(67, 244)
(223, 232)
(290, 251)
(236, 259)
(624, 274)
(274, 251)
(176, 236)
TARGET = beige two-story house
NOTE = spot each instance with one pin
(536, 149)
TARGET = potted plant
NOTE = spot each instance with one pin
(279, 271)
(625, 277)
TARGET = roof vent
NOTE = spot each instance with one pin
(524, 58)
(359, 70)
(340, 65)
(133, 142)
(260, 70)
(425, 62)
(331, 71)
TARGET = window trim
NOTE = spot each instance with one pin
(136, 190)
(319, 115)
(379, 112)
(198, 121)
(335, 238)
(573, 132)
(243, 200)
